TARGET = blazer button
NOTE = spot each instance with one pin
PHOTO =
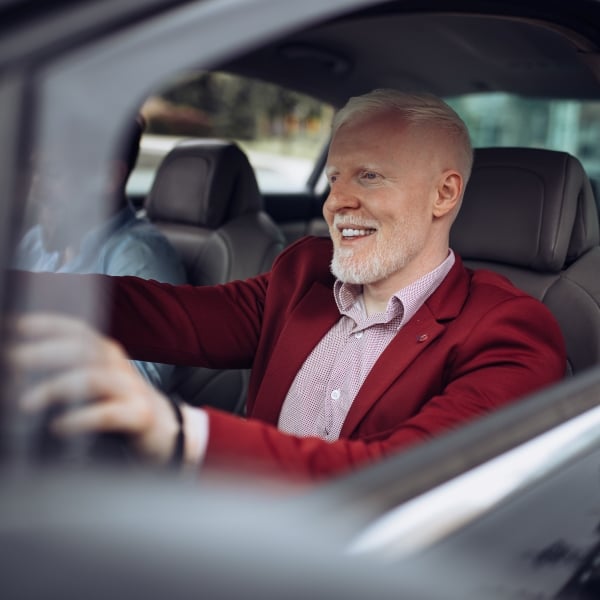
(422, 338)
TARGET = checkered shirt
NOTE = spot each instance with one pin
(327, 383)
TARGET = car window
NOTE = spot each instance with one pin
(500, 119)
(282, 132)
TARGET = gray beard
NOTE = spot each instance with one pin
(384, 262)
(377, 268)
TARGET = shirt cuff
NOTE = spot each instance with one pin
(196, 435)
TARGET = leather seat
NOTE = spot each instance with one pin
(530, 215)
(206, 200)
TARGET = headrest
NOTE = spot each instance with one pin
(526, 207)
(203, 183)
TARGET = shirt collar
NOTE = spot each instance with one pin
(404, 303)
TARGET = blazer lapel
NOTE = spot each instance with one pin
(410, 341)
(312, 318)
(426, 325)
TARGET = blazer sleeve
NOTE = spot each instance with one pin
(210, 326)
(215, 326)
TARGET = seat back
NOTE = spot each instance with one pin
(206, 200)
(530, 215)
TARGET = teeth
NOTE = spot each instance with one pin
(346, 232)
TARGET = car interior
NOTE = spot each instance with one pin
(529, 212)
(205, 199)
(221, 178)
(542, 201)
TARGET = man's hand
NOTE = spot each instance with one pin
(78, 368)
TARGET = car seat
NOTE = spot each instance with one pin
(530, 215)
(206, 200)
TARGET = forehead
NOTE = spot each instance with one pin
(381, 138)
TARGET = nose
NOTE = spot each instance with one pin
(342, 196)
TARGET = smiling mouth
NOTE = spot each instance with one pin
(348, 233)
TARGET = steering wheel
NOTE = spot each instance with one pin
(31, 441)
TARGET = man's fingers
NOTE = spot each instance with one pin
(98, 417)
(46, 342)
(54, 353)
(48, 324)
(75, 386)
(65, 363)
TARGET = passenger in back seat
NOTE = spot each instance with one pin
(124, 244)
(360, 345)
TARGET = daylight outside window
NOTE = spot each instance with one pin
(282, 132)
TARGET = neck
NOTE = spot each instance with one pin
(377, 295)
(374, 303)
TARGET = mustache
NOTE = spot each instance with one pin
(349, 220)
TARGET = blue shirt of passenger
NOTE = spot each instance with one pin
(125, 245)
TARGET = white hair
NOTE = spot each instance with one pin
(416, 109)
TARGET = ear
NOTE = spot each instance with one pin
(449, 192)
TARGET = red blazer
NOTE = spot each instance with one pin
(476, 344)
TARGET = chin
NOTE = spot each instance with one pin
(355, 271)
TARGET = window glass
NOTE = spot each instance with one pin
(283, 132)
(506, 120)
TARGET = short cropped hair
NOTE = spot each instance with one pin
(421, 108)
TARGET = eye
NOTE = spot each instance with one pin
(370, 176)
(332, 179)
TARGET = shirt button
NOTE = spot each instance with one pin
(335, 395)
(358, 335)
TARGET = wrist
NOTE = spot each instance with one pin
(195, 422)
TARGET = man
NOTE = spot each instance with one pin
(360, 345)
(124, 244)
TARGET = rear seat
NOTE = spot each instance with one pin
(531, 215)
(205, 199)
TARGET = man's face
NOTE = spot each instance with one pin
(383, 177)
(56, 204)
(64, 216)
